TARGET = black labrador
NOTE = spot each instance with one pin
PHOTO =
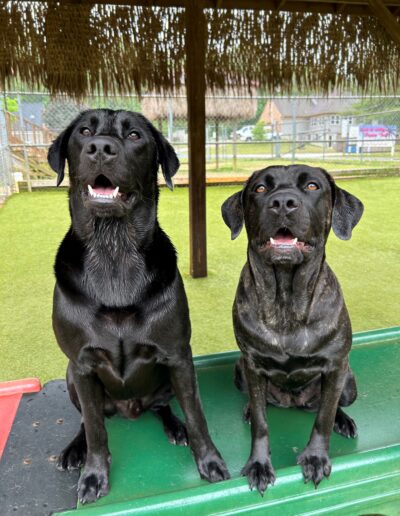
(120, 311)
(289, 316)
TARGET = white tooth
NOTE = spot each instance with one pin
(91, 190)
(115, 192)
(294, 241)
(272, 241)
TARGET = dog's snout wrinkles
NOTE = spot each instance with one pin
(101, 147)
(283, 203)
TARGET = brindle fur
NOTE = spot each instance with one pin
(289, 315)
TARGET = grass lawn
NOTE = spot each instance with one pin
(266, 147)
(349, 166)
(254, 156)
(32, 226)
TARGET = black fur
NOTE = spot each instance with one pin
(289, 316)
(120, 312)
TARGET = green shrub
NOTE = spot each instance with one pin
(259, 131)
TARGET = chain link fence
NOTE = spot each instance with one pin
(7, 183)
(346, 135)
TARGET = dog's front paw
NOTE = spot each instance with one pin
(92, 484)
(213, 468)
(345, 425)
(259, 474)
(316, 465)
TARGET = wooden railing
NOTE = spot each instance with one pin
(29, 134)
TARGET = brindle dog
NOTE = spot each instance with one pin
(289, 316)
(120, 311)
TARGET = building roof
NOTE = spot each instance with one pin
(307, 108)
(217, 106)
(83, 47)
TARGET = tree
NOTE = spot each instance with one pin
(259, 131)
(11, 105)
(380, 110)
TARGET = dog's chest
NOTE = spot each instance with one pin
(289, 370)
(115, 273)
(289, 359)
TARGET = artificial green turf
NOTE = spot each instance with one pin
(32, 226)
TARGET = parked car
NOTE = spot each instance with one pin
(245, 133)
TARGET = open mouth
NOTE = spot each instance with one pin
(284, 239)
(104, 190)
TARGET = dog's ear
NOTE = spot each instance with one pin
(57, 154)
(347, 211)
(232, 213)
(167, 157)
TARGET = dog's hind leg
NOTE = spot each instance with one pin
(174, 429)
(158, 403)
(247, 413)
(74, 455)
(240, 379)
(344, 424)
(241, 384)
(349, 392)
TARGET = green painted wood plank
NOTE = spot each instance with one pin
(150, 476)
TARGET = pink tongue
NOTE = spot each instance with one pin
(108, 190)
(283, 239)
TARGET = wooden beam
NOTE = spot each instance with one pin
(195, 90)
(386, 18)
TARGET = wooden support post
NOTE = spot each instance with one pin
(195, 88)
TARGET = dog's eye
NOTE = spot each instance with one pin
(261, 189)
(312, 186)
(85, 131)
(133, 135)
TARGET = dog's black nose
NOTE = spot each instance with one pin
(283, 202)
(101, 147)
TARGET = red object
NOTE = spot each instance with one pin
(10, 396)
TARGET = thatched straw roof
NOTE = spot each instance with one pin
(231, 108)
(80, 48)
